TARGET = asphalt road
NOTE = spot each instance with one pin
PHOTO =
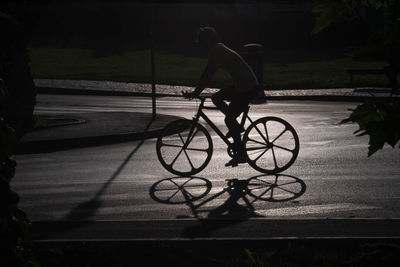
(332, 177)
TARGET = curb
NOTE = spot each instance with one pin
(215, 229)
(328, 97)
(46, 146)
(50, 142)
(71, 91)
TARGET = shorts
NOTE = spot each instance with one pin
(238, 102)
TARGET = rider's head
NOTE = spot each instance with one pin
(207, 36)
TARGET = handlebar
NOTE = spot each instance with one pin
(190, 96)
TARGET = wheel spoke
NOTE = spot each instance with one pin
(294, 182)
(265, 192)
(272, 193)
(165, 189)
(194, 186)
(187, 156)
(276, 138)
(174, 194)
(256, 148)
(262, 154)
(260, 133)
(263, 182)
(175, 159)
(184, 151)
(284, 148)
(180, 136)
(266, 131)
(184, 191)
(291, 192)
(172, 181)
(197, 149)
(171, 145)
(259, 186)
(191, 137)
(255, 141)
(274, 156)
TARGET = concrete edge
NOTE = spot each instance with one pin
(70, 91)
(204, 229)
(46, 146)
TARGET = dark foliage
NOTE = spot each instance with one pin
(380, 119)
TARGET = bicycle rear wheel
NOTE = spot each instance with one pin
(184, 147)
(271, 144)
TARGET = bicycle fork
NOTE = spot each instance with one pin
(191, 132)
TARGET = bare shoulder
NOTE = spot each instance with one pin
(218, 49)
(220, 46)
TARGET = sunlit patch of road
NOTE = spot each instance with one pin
(313, 210)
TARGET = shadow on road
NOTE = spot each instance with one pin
(238, 198)
(82, 213)
(89, 208)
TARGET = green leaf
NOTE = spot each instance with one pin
(331, 11)
(250, 255)
(376, 140)
(377, 4)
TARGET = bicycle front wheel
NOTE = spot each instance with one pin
(271, 144)
(184, 147)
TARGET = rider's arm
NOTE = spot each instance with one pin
(206, 77)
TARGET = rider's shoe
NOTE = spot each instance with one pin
(237, 159)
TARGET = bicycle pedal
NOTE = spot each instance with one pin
(231, 163)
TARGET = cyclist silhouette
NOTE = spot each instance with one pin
(243, 90)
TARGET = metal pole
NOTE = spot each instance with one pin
(153, 76)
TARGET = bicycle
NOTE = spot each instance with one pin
(185, 147)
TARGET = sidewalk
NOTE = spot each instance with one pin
(86, 129)
(121, 88)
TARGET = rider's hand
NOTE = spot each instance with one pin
(188, 95)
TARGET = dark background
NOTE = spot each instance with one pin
(275, 24)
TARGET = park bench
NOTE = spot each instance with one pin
(390, 71)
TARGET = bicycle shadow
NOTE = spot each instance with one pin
(237, 198)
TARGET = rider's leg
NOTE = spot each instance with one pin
(236, 107)
(234, 130)
(231, 113)
(219, 101)
(219, 98)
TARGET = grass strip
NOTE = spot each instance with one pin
(174, 68)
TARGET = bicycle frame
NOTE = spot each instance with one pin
(201, 114)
